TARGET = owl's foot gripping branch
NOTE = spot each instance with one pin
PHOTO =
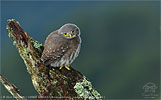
(50, 83)
(65, 66)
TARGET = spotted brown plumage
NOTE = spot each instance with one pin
(61, 46)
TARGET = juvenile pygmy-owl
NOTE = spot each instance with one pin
(61, 47)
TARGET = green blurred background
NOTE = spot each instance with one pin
(120, 50)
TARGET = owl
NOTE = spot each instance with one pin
(61, 47)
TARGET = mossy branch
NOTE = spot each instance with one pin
(49, 82)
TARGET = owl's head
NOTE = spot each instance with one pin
(69, 31)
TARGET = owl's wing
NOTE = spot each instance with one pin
(54, 49)
(54, 55)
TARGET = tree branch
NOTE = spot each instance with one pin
(49, 82)
(11, 88)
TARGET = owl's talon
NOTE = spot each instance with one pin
(61, 67)
(66, 66)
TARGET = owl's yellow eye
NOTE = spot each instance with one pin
(73, 31)
(65, 34)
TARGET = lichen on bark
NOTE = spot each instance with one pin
(84, 89)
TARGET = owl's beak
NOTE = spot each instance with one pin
(69, 35)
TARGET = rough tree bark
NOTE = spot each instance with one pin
(50, 83)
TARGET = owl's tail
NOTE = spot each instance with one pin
(38, 63)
